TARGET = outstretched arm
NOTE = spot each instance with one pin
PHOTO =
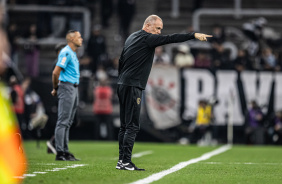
(155, 40)
(202, 37)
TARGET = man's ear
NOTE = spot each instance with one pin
(147, 26)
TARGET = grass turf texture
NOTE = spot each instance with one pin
(241, 164)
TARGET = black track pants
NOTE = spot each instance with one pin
(130, 105)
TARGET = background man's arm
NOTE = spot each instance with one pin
(55, 79)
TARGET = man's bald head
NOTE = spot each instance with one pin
(153, 24)
(151, 20)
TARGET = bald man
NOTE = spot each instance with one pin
(134, 68)
(65, 80)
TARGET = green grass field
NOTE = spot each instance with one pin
(240, 164)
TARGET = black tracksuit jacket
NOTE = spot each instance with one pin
(136, 59)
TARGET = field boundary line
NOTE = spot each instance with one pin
(241, 163)
(140, 154)
(50, 170)
(181, 165)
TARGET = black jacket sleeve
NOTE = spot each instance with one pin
(154, 40)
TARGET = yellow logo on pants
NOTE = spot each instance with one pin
(138, 100)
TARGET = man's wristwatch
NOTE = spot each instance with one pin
(56, 88)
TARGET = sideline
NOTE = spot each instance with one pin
(241, 163)
(181, 165)
(50, 170)
(137, 155)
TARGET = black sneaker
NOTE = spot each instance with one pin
(119, 164)
(60, 158)
(71, 157)
(131, 167)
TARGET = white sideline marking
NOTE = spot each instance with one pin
(31, 175)
(50, 170)
(43, 164)
(60, 168)
(242, 163)
(181, 165)
(76, 165)
(39, 172)
(137, 155)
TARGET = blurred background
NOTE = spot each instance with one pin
(228, 89)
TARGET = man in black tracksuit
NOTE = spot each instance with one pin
(134, 68)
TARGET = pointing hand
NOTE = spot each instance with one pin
(202, 37)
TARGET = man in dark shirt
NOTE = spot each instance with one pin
(134, 68)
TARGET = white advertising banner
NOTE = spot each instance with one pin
(163, 97)
(230, 89)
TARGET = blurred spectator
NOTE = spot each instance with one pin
(17, 97)
(4, 45)
(279, 60)
(101, 74)
(218, 34)
(86, 78)
(112, 69)
(106, 12)
(96, 47)
(268, 60)
(277, 137)
(201, 129)
(220, 57)
(103, 108)
(13, 35)
(275, 128)
(254, 130)
(253, 31)
(161, 57)
(202, 60)
(34, 110)
(184, 58)
(32, 51)
(126, 12)
(242, 62)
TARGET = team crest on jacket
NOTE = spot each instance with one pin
(138, 100)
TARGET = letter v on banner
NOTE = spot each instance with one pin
(257, 86)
